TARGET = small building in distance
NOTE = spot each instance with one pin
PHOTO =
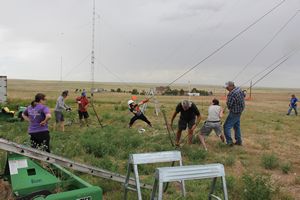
(195, 94)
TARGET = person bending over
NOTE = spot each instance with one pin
(189, 117)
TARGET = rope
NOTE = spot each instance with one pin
(78, 65)
(269, 72)
(228, 42)
(115, 75)
(265, 46)
(266, 68)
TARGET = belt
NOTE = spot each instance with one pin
(213, 121)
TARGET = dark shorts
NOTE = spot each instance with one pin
(59, 117)
(40, 140)
(182, 124)
(82, 115)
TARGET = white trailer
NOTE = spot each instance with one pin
(3, 89)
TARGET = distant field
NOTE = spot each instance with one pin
(269, 159)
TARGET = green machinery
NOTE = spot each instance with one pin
(12, 116)
(30, 181)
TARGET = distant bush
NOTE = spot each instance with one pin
(269, 161)
(286, 167)
(134, 91)
(257, 187)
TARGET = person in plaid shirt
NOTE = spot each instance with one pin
(235, 104)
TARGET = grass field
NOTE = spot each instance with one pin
(267, 166)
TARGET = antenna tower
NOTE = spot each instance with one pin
(93, 48)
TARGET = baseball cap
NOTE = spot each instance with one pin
(229, 83)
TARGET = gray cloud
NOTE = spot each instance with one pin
(145, 41)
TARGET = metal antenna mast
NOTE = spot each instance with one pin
(93, 48)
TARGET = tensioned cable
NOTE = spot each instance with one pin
(271, 65)
(115, 75)
(78, 65)
(265, 46)
(269, 72)
(226, 43)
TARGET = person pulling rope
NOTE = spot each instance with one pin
(138, 114)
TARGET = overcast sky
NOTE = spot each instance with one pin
(148, 40)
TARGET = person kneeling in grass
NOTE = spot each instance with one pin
(213, 122)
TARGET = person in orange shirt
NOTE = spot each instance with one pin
(138, 114)
(83, 103)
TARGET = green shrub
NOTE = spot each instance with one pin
(196, 154)
(123, 107)
(230, 160)
(257, 187)
(116, 107)
(98, 148)
(270, 161)
(286, 167)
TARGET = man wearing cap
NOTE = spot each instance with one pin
(188, 114)
(59, 108)
(83, 103)
(138, 114)
(235, 104)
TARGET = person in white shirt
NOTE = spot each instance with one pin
(213, 122)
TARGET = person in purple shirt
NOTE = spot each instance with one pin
(38, 115)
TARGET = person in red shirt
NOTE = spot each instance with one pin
(83, 103)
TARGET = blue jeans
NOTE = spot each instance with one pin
(291, 108)
(233, 121)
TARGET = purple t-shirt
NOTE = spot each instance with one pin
(36, 116)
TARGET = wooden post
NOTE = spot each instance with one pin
(251, 90)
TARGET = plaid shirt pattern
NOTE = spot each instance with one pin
(235, 101)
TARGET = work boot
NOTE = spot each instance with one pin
(238, 143)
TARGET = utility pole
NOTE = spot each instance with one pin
(251, 90)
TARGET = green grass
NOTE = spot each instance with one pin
(257, 187)
(286, 167)
(270, 161)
